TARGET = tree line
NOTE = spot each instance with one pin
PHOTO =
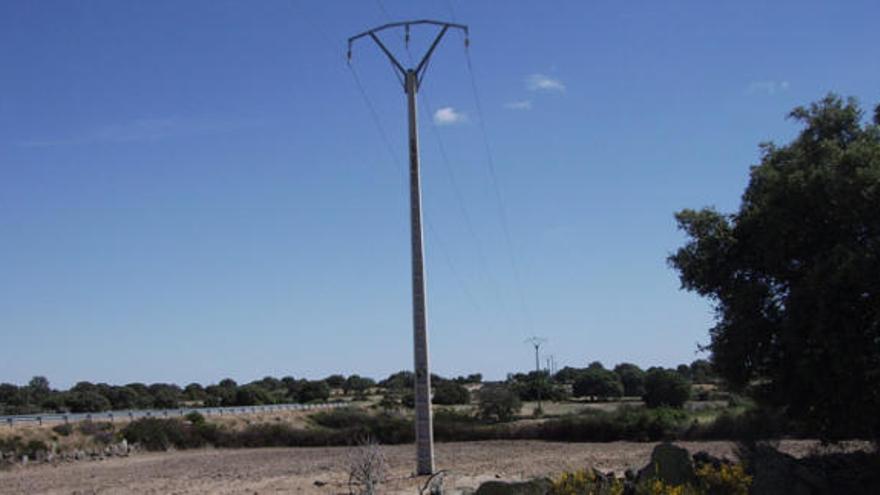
(397, 389)
(39, 396)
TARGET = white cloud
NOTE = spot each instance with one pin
(540, 82)
(767, 87)
(519, 105)
(448, 116)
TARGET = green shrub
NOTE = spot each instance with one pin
(449, 393)
(344, 417)
(162, 434)
(627, 423)
(16, 445)
(755, 424)
(537, 386)
(195, 418)
(33, 447)
(665, 388)
(63, 429)
(498, 404)
(384, 427)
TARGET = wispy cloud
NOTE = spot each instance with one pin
(448, 116)
(767, 87)
(139, 130)
(540, 82)
(519, 105)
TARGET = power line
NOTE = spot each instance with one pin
(441, 244)
(494, 178)
(469, 225)
(462, 208)
(490, 162)
(395, 158)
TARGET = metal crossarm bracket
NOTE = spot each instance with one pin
(423, 64)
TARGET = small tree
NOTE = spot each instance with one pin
(633, 379)
(38, 389)
(314, 391)
(252, 395)
(665, 388)
(194, 392)
(701, 371)
(401, 380)
(537, 385)
(598, 382)
(357, 384)
(474, 378)
(498, 403)
(88, 401)
(367, 468)
(335, 381)
(567, 374)
(449, 393)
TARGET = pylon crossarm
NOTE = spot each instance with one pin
(423, 64)
(409, 23)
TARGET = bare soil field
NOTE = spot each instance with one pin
(324, 470)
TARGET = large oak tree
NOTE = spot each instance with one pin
(795, 273)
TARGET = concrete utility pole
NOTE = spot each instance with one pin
(412, 79)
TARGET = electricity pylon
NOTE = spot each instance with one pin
(536, 342)
(412, 79)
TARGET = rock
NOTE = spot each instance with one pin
(777, 472)
(539, 486)
(670, 464)
(24, 460)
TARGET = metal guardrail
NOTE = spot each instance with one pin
(130, 414)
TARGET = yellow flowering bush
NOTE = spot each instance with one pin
(720, 479)
(726, 479)
(658, 487)
(585, 482)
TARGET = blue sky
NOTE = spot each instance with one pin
(195, 190)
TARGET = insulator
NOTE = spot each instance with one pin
(467, 42)
(406, 38)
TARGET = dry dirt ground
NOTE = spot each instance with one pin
(296, 470)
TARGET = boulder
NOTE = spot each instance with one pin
(670, 464)
(777, 472)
